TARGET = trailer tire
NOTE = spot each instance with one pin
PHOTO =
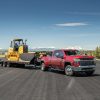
(4, 64)
(43, 68)
(1, 64)
(8, 64)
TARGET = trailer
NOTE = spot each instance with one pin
(26, 62)
(18, 54)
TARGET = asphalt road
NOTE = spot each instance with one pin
(33, 84)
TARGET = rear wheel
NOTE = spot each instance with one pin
(68, 70)
(43, 68)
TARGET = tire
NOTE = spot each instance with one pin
(89, 73)
(68, 70)
(1, 64)
(43, 68)
(4, 64)
(8, 64)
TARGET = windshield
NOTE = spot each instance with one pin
(72, 52)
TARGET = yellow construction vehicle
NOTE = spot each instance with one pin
(18, 54)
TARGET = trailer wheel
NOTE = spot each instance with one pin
(68, 70)
(8, 64)
(1, 64)
(4, 64)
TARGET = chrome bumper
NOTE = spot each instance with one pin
(84, 68)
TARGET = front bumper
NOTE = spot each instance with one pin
(84, 68)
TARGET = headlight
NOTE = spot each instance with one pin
(76, 60)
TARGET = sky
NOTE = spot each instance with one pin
(51, 23)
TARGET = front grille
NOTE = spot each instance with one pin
(87, 62)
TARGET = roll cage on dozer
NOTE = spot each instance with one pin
(16, 43)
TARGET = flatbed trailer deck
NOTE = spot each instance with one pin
(6, 63)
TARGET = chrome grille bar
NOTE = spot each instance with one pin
(87, 62)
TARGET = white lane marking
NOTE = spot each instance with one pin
(71, 83)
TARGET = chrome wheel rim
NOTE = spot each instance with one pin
(68, 71)
(42, 68)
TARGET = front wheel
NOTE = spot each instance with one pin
(68, 70)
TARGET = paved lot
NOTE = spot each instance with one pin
(31, 84)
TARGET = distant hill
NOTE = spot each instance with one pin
(42, 49)
(2, 51)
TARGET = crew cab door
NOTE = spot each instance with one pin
(60, 59)
(57, 59)
(54, 61)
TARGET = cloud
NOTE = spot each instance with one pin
(71, 24)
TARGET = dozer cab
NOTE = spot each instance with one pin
(17, 47)
(18, 54)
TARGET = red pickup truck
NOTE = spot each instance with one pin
(70, 61)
